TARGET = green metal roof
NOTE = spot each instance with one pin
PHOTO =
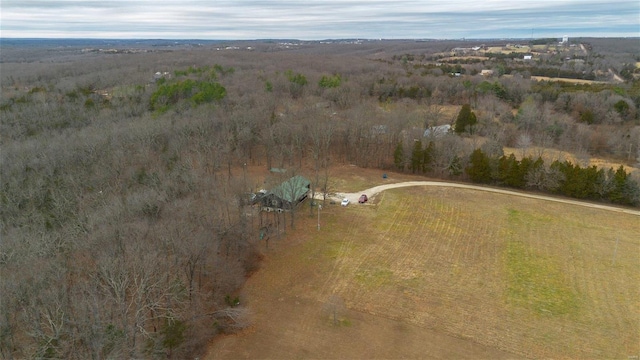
(292, 189)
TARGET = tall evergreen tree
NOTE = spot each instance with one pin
(616, 194)
(526, 166)
(428, 155)
(479, 169)
(465, 120)
(416, 156)
(631, 192)
(398, 156)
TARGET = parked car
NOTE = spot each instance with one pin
(345, 202)
(363, 199)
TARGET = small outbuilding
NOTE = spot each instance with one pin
(437, 131)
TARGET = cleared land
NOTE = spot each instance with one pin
(509, 50)
(447, 273)
(550, 155)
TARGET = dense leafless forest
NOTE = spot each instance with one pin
(124, 227)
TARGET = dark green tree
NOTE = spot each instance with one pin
(198, 92)
(296, 78)
(416, 156)
(590, 177)
(428, 156)
(398, 157)
(524, 168)
(479, 169)
(622, 108)
(466, 120)
(577, 182)
(571, 184)
(503, 170)
(173, 334)
(619, 180)
(330, 81)
(514, 173)
(587, 116)
(631, 192)
(296, 83)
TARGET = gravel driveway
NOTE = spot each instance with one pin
(353, 197)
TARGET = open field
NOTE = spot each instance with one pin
(447, 273)
(550, 155)
(509, 50)
(568, 80)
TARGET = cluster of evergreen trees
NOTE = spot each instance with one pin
(198, 92)
(204, 89)
(563, 178)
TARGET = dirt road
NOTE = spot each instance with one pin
(616, 77)
(372, 192)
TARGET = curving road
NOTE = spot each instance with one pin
(353, 197)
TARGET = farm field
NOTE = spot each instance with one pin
(508, 50)
(447, 273)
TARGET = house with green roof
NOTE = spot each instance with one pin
(288, 194)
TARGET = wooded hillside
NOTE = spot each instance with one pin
(124, 230)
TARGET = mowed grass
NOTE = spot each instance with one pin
(535, 281)
(350, 178)
(528, 277)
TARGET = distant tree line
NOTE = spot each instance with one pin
(560, 177)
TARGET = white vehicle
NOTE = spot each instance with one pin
(345, 202)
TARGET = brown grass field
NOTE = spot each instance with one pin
(446, 273)
(550, 155)
(568, 80)
(509, 50)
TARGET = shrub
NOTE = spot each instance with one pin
(330, 81)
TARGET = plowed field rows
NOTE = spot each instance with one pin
(519, 276)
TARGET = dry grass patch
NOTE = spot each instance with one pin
(550, 155)
(568, 80)
(509, 50)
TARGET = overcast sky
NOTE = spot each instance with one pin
(317, 19)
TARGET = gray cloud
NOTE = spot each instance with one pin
(317, 19)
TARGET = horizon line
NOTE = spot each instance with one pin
(317, 40)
